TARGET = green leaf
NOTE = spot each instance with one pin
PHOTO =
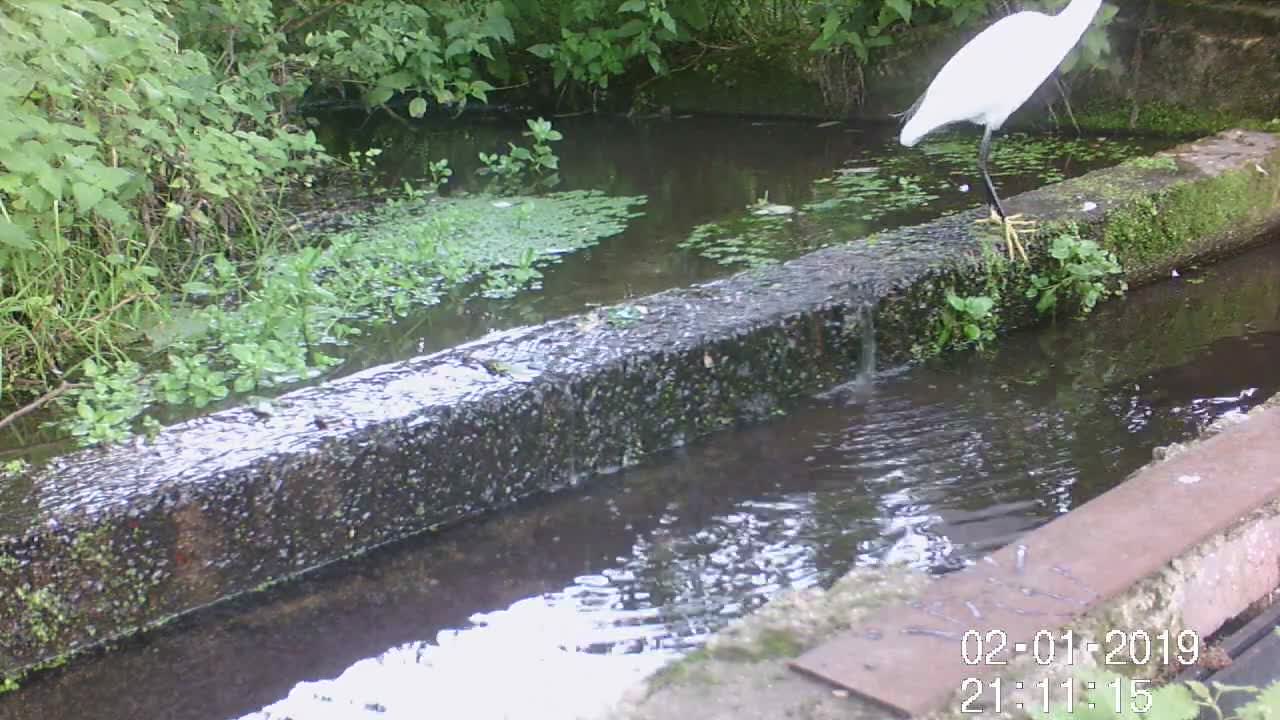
(542, 50)
(980, 306)
(457, 47)
(106, 177)
(634, 6)
(498, 26)
(198, 288)
(379, 95)
(418, 107)
(902, 7)
(632, 27)
(86, 195)
(396, 80)
(15, 236)
(1047, 300)
(1266, 706)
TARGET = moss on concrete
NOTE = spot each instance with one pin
(1178, 72)
(1108, 114)
(1152, 232)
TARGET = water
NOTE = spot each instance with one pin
(548, 610)
(696, 171)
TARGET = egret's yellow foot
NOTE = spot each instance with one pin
(1010, 224)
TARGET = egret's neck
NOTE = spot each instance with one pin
(1076, 17)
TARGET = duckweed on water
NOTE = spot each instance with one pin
(397, 258)
(874, 189)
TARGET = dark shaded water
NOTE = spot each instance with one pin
(548, 611)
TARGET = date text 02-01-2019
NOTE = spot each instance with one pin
(1117, 647)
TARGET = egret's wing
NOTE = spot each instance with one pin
(980, 81)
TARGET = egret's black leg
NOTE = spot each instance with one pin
(993, 200)
(984, 155)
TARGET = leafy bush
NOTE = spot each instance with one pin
(392, 46)
(122, 154)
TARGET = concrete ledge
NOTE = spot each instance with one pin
(102, 543)
(1202, 582)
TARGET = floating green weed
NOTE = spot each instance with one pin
(749, 240)
(397, 258)
(873, 187)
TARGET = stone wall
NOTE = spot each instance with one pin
(1179, 66)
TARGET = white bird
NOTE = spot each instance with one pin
(991, 77)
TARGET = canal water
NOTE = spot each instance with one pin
(550, 610)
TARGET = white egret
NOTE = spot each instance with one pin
(991, 77)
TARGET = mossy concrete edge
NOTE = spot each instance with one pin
(742, 674)
(103, 543)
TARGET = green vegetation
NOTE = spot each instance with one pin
(1079, 270)
(1075, 272)
(538, 160)
(884, 186)
(966, 320)
(406, 255)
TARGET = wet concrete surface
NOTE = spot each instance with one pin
(102, 542)
(570, 598)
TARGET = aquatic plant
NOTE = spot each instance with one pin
(874, 189)
(538, 160)
(965, 321)
(305, 305)
(1079, 272)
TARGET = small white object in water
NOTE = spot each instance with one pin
(1089, 206)
(1261, 169)
(828, 123)
(1188, 479)
(964, 188)
(502, 203)
(1174, 273)
(773, 209)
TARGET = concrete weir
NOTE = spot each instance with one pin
(102, 543)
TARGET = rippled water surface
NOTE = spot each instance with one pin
(550, 610)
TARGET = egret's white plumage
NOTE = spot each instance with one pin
(993, 75)
(999, 69)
